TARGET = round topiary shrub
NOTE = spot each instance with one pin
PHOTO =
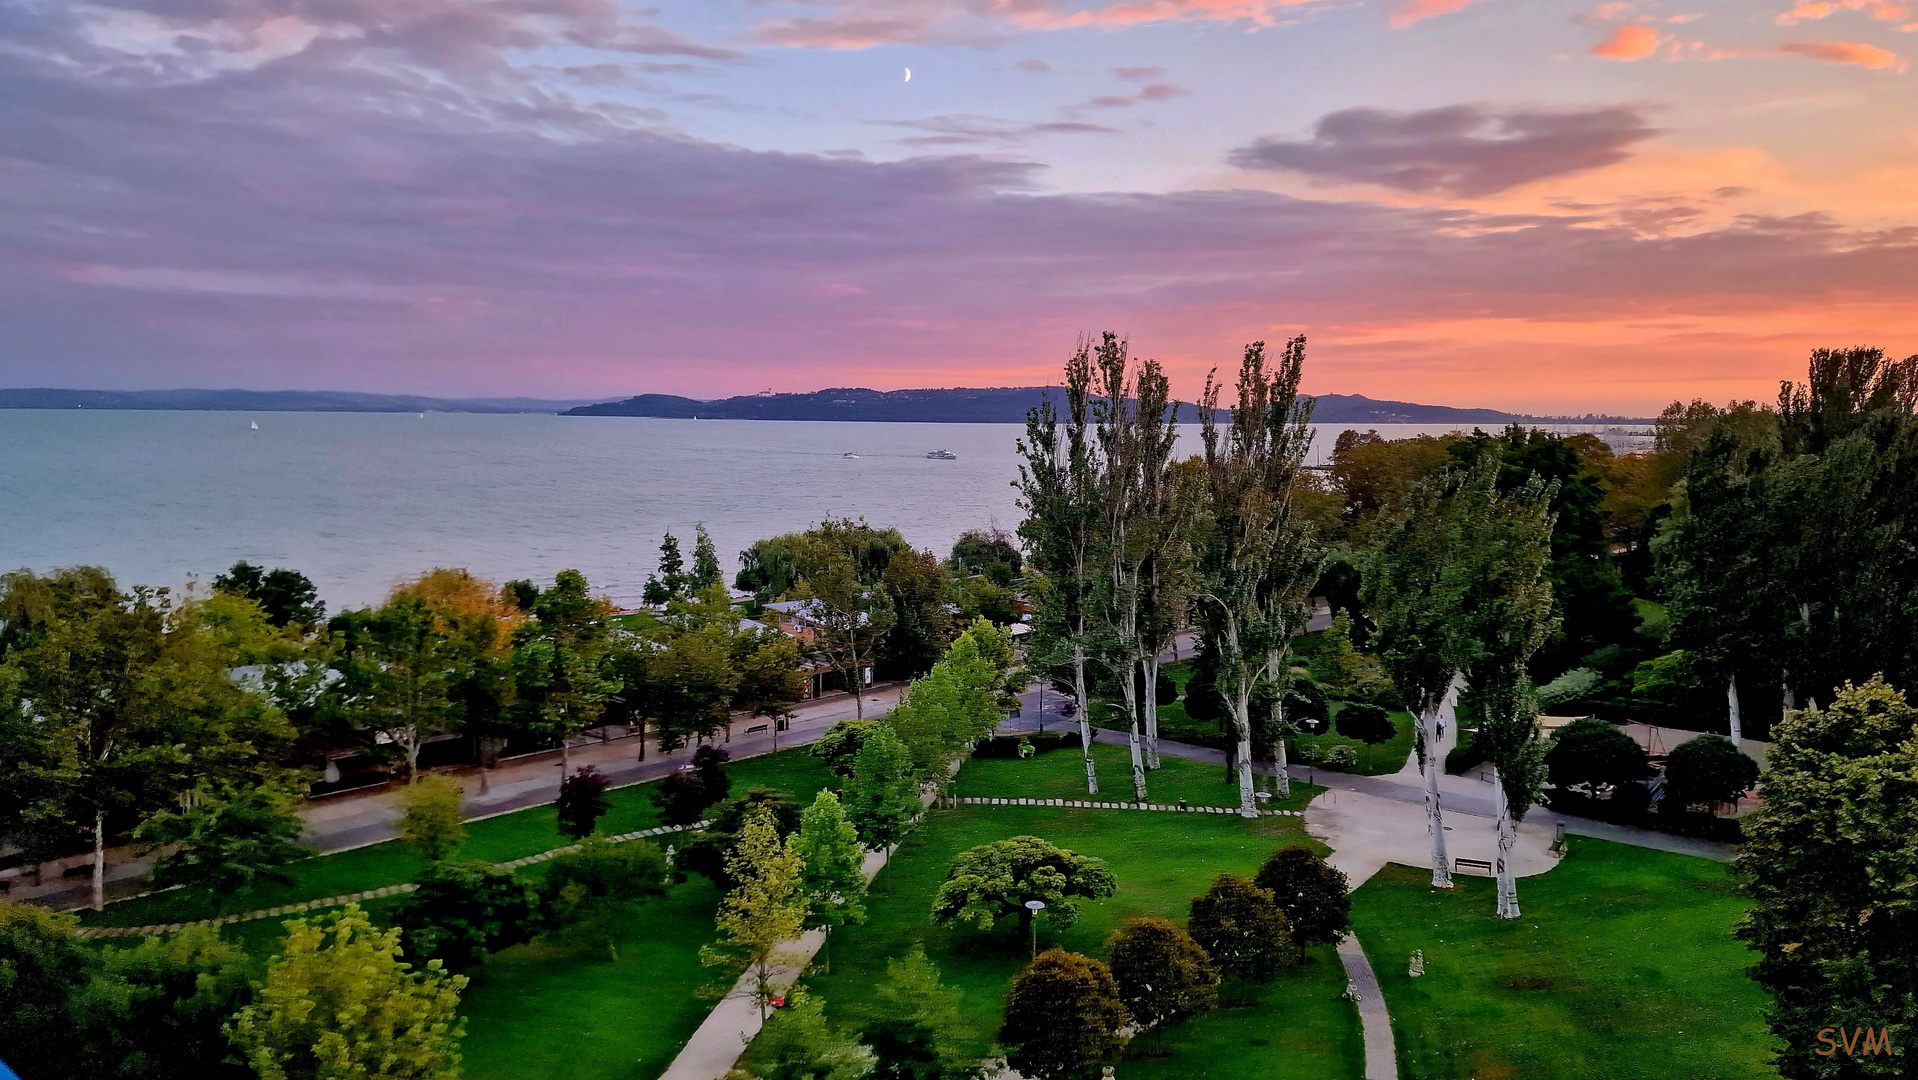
(1367, 723)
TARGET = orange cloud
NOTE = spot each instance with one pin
(1846, 52)
(1627, 43)
(1416, 10)
(1807, 10)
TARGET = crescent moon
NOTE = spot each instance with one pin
(908, 75)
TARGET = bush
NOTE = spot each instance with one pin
(681, 797)
(586, 893)
(1165, 689)
(582, 802)
(1063, 1017)
(1007, 746)
(986, 884)
(710, 763)
(841, 743)
(1310, 891)
(1340, 758)
(1243, 929)
(705, 853)
(1306, 706)
(1367, 723)
(1709, 769)
(1593, 752)
(1466, 756)
(1389, 699)
(1162, 974)
(432, 822)
(461, 912)
(1572, 686)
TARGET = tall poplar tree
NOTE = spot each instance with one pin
(1058, 491)
(1257, 558)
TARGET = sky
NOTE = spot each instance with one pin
(1524, 204)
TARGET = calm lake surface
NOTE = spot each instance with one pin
(360, 501)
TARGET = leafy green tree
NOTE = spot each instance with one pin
(1163, 976)
(990, 552)
(841, 743)
(44, 973)
(919, 591)
(670, 582)
(798, 1043)
(691, 683)
(914, 1025)
(849, 617)
(766, 909)
(171, 999)
(1312, 893)
(432, 819)
(587, 895)
(1830, 863)
(706, 572)
(582, 802)
(287, 596)
(560, 663)
(682, 797)
(1593, 752)
(399, 666)
(131, 703)
(833, 882)
(338, 1001)
(766, 665)
(1063, 1018)
(1366, 722)
(1257, 558)
(227, 839)
(1058, 474)
(1243, 929)
(882, 799)
(990, 882)
(960, 701)
(1708, 769)
(461, 912)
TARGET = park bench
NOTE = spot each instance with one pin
(1475, 864)
(755, 729)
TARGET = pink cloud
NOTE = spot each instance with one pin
(1413, 11)
(1631, 42)
(1808, 10)
(1846, 52)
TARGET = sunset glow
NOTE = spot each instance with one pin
(1539, 207)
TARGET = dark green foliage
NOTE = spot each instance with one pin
(914, 1026)
(681, 798)
(1243, 929)
(1830, 861)
(710, 763)
(287, 596)
(799, 1043)
(1366, 722)
(920, 590)
(1163, 976)
(1042, 742)
(990, 552)
(43, 985)
(172, 998)
(1063, 1018)
(586, 893)
(226, 842)
(1708, 769)
(1593, 752)
(841, 743)
(1306, 706)
(521, 593)
(705, 852)
(582, 802)
(670, 582)
(461, 912)
(1310, 891)
(987, 883)
(1165, 690)
(1466, 756)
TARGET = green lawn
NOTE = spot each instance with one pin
(1374, 760)
(1299, 1028)
(498, 839)
(1061, 774)
(1623, 967)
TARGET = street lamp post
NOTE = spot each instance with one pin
(1035, 906)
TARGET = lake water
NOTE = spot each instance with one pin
(360, 501)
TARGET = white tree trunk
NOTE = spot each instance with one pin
(1731, 700)
(1085, 716)
(1152, 711)
(99, 859)
(565, 758)
(1281, 776)
(1507, 838)
(1242, 722)
(1136, 744)
(1434, 813)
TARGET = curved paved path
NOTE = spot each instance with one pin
(1381, 1058)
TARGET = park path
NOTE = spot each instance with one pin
(1381, 1059)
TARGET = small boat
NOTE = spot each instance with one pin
(943, 455)
(855, 457)
(255, 425)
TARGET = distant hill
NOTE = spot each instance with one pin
(998, 405)
(269, 401)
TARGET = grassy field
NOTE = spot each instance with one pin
(1386, 757)
(499, 839)
(1622, 968)
(1061, 774)
(1299, 1027)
